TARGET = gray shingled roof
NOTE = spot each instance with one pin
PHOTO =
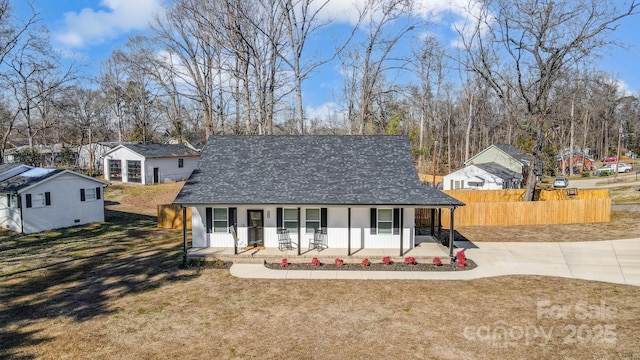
(321, 170)
(161, 150)
(33, 176)
(499, 170)
(515, 153)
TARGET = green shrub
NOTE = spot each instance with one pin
(585, 174)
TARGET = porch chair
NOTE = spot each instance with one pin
(284, 240)
(320, 240)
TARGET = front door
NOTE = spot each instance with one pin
(256, 228)
(156, 175)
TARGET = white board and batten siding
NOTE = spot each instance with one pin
(337, 228)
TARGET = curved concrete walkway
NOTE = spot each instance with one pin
(614, 261)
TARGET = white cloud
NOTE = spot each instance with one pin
(432, 10)
(117, 17)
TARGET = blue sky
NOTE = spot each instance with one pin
(88, 30)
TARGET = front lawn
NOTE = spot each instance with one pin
(117, 291)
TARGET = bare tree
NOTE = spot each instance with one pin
(377, 48)
(523, 45)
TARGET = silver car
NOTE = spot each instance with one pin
(560, 182)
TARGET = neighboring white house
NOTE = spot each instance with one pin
(361, 191)
(90, 156)
(486, 176)
(38, 199)
(150, 163)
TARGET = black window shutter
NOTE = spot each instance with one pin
(98, 190)
(232, 218)
(82, 197)
(374, 221)
(209, 220)
(396, 221)
(8, 200)
(28, 200)
(19, 201)
(323, 218)
(279, 222)
(47, 198)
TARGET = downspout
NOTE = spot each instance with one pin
(451, 233)
(184, 235)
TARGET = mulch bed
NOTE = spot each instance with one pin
(396, 266)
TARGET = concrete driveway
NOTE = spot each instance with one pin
(614, 261)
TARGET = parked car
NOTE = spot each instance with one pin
(622, 168)
(560, 182)
(610, 159)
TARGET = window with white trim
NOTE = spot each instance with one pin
(312, 220)
(385, 221)
(38, 200)
(290, 220)
(89, 194)
(220, 220)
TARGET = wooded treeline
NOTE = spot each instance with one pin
(523, 73)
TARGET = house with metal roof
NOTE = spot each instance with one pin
(484, 176)
(34, 199)
(349, 191)
(149, 163)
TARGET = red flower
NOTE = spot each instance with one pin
(315, 262)
(338, 262)
(387, 260)
(410, 260)
(365, 262)
(284, 263)
(437, 261)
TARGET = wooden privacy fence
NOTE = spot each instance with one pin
(170, 217)
(506, 208)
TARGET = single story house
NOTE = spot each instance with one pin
(506, 155)
(48, 155)
(579, 161)
(361, 191)
(485, 176)
(90, 156)
(149, 163)
(38, 199)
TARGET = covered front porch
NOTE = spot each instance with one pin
(427, 247)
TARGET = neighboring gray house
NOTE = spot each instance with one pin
(485, 176)
(361, 191)
(38, 199)
(506, 155)
(149, 163)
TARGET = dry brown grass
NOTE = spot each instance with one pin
(119, 293)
